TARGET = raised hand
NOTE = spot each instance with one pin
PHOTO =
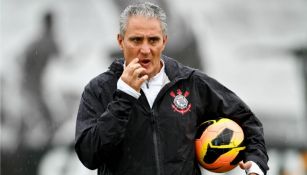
(133, 75)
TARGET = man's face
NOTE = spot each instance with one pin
(144, 40)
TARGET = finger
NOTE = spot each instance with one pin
(139, 72)
(135, 60)
(139, 81)
(142, 79)
(133, 65)
(246, 165)
(241, 164)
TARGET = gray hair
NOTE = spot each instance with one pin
(146, 9)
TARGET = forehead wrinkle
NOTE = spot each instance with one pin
(135, 19)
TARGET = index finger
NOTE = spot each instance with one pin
(135, 60)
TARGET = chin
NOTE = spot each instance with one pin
(148, 73)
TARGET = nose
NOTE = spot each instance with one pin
(145, 48)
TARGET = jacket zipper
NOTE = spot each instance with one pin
(155, 140)
(154, 127)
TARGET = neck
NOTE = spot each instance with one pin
(157, 71)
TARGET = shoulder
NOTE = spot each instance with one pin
(203, 78)
(107, 80)
(204, 81)
(101, 84)
(176, 70)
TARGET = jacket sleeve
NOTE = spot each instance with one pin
(221, 102)
(101, 124)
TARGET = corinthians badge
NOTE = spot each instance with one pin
(181, 103)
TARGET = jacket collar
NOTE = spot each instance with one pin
(117, 67)
(173, 69)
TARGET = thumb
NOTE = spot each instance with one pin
(246, 165)
(143, 78)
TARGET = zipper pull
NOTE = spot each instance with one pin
(147, 84)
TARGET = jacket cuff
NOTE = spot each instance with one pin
(263, 166)
(121, 85)
(119, 94)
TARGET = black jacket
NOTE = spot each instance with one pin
(119, 134)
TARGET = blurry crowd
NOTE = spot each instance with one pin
(44, 69)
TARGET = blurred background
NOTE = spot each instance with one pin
(50, 49)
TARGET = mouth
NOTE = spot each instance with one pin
(144, 62)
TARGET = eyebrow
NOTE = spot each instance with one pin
(135, 37)
(142, 37)
(154, 37)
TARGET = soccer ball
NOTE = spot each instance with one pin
(219, 144)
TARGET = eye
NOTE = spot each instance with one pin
(136, 39)
(154, 40)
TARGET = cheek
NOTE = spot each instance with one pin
(129, 50)
(159, 48)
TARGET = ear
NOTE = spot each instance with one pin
(165, 40)
(120, 40)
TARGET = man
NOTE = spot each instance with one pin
(37, 57)
(141, 116)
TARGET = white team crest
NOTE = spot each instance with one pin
(180, 102)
